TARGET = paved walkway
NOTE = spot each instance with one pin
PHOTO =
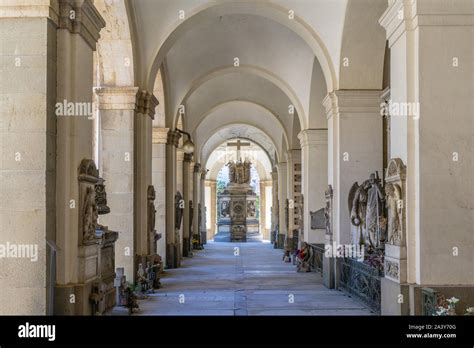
(257, 282)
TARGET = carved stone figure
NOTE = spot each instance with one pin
(151, 218)
(251, 209)
(178, 203)
(328, 210)
(224, 208)
(374, 219)
(231, 166)
(89, 215)
(394, 205)
(88, 177)
(239, 172)
(395, 179)
(366, 212)
(101, 197)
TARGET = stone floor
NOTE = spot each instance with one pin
(256, 282)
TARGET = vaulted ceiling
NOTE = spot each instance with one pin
(264, 64)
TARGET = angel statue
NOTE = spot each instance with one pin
(366, 211)
(231, 166)
(357, 202)
(394, 229)
(246, 176)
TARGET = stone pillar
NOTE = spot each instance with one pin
(187, 182)
(213, 207)
(172, 254)
(202, 197)
(275, 206)
(76, 41)
(160, 136)
(354, 149)
(262, 210)
(144, 113)
(180, 188)
(314, 159)
(293, 193)
(196, 195)
(282, 197)
(431, 132)
(116, 111)
(28, 153)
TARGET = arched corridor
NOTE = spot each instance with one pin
(342, 131)
(244, 279)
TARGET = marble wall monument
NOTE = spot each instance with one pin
(237, 220)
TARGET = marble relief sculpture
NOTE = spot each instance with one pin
(89, 215)
(366, 203)
(394, 223)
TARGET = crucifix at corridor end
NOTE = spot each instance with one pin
(238, 144)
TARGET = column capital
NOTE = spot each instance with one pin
(353, 102)
(274, 174)
(313, 137)
(160, 135)
(81, 17)
(197, 168)
(188, 157)
(116, 98)
(146, 103)
(27, 9)
(173, 138)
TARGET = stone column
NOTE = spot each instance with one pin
(293, 193)
(160, 136)
(314, 159)
(196, 195)
(354, 148)
(431, 132)
(116, 111)
(187, 182)
(275, 206)
(144, 113)
(28, 152)
(76, 40)
(180, 188)
(172, 254)
(282, 197)
(262, 210)
(213, 207)
(202, 197)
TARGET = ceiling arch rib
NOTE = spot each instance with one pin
(238, 86)
(238, 39)
(160, 34)
(240, 112)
